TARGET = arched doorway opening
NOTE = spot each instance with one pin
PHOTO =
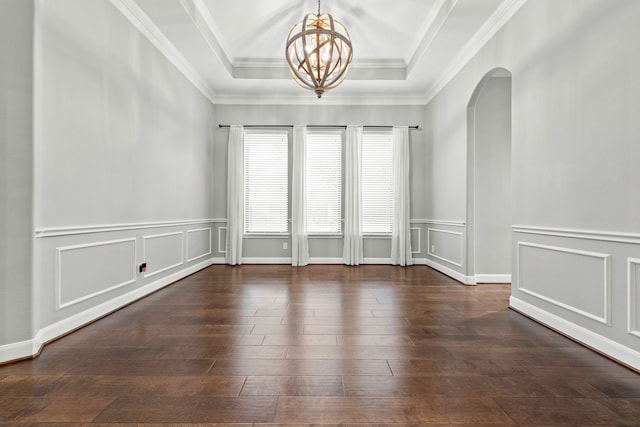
(489, 179)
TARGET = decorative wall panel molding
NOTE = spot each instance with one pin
(198, 243)
(417, 232)
(33, 346)
(88, 270)
(162, 252)
(222, 241)
(445, 245)
(575, 280)
(91, 229)
(633, 276)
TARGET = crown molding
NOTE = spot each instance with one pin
(435, 20)
(308, 98)
(495, 22)
(140, 20)
(271, 68)
(203, 21)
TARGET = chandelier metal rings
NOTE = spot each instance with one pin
(319, 52)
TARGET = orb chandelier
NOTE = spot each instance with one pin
(319, 52)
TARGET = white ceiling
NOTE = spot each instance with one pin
(404, 50)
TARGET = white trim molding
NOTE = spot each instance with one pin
(619, 352)
(222, 250)
(144, 24)
(606, 267)
(439, 222)
(432, 254)
(419, 239)
(599, 235)
(158, 236)
(456, 275)
(632, 296)
(103, 228)
(493, 278)
(30, 348)
(58, 272)
(189, 259)
(496, 21)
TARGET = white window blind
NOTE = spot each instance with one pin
(377, 182)
(266, 189)
(323, 182)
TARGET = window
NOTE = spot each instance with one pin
(377, 182)
(323, 183)
(266, 189)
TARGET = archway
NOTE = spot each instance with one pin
(489, 179)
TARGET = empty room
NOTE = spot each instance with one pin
(334, 212)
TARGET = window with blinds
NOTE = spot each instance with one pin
(323, 182)
(377, 182)
(266, 186)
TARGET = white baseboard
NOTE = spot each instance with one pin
(465, 280)
(320, 260)
(598, 342)
(316, 260)
(266, 260)
(18, 350)
(493, 278)
(31, 347)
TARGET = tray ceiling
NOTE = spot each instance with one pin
(404, 50)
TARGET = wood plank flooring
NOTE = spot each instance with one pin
(330, 345)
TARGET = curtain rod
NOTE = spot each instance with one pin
(315, 126)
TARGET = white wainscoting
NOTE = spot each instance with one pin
(601, 343)
(633, 294)
(575, 280)
(445, 245)
(198, 243)
(87, 270)
(584, 283)
(162, 252)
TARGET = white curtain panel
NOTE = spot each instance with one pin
(400, 231)
(235, 195)
(353, 253)
(299, 240)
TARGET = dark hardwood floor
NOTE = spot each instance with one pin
(269, 345)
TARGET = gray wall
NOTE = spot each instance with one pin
(16, 169)
(492, 180)
(123, 168)
(375, 248)
(574, 163)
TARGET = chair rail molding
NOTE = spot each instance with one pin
(41, 233)
(600, 235)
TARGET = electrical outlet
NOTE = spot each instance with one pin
(433, 248)
(285, 245)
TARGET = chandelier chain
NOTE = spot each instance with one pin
(318, 7)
